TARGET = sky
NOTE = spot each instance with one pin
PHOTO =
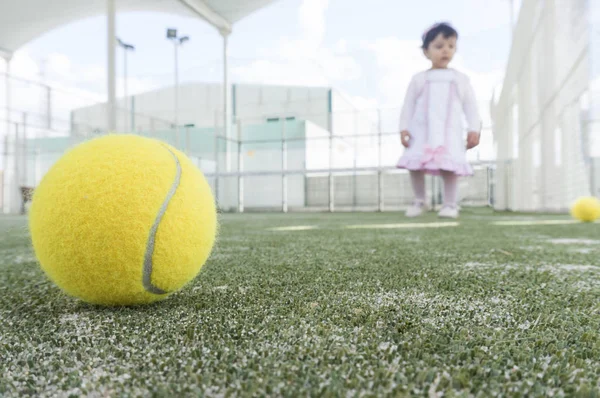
(368, 50)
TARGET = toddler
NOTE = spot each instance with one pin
(431, 122)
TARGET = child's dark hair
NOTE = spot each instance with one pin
(443, 28)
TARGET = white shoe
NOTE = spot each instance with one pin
(448, 212)
(417, 209)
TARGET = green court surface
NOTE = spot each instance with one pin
(327, 305)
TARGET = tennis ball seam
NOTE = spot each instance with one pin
(150, 244)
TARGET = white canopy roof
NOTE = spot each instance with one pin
(24, 20)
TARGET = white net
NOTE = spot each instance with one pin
(540, 118)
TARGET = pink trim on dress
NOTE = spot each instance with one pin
(437, 159)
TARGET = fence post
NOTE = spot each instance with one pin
(491, 185)
(187, 139)
(16, 155)
(216, 155)
(37, 174)
(24, 150)
(354, 162)
(16, 175)
(240, 168)
(284, 181)
(3, 185)
(331, 178)
(380, 199)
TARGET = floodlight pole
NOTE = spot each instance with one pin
(176, 85)
(126, 47)
(177, 42)
(226, 124)
(226, 100)
(112, 44)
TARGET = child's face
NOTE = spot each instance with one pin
(441, 51)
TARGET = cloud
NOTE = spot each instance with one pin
(303, 60)
(341, 47)
(319, 68)
(81, 82)
(29, 91)
(397, 61)
(313, 20)
(24, 66)
(59, 67)
(71, 86)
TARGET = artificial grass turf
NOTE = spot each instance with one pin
(476, 309)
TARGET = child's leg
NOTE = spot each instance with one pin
(450, 188)
(417, 179)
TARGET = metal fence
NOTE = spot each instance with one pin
(300, 160)
(287, 168)
(350, 185)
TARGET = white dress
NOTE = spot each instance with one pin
(433, 110)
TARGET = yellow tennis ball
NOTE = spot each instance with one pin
(123, 220)
(586, 209)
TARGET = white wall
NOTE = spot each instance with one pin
(199, 104)
(256, 103)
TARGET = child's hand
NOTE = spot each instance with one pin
(472, 139)
(405, 138)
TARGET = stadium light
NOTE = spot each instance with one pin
(177, 42)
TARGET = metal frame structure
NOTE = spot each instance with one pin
(380, 171)
(327, 179)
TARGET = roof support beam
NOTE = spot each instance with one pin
(6, 200)
(205, 12)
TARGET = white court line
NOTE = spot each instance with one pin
(572, 241)
(535, 222)
(404, 225)
(427, 225)
(294, 228)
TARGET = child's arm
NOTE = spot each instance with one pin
(472, 115)
(408, 109)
